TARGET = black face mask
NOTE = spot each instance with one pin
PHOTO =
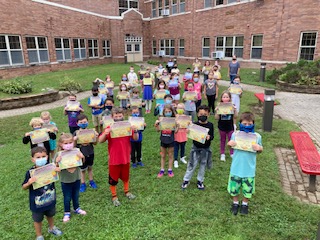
(202, 118)
(95, 94)
(109, 107)
(118, 120)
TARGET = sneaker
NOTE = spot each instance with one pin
(244, 210)
(160, 174)
(140, 164)
(223, 157)
(170, 173)
(80, 211)
(200, 185)
(175, 164)
(55, 231)
(93, 184)
(183, 160)
(185, 184)
(234, 208)
(133, 165)
(66, 217)
(83, 187)
(130, 196)
(116, 202)
(40, 238)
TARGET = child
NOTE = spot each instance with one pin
(103, 91)
(88, 153)
(110, 89)
(135, 95)
(124, 80)
(196, 66)
(236, 97)
(167, 142)
(180, 139)
(42, 201)
(243, 167)
(175, 69)
(161, 86)
(108, 105)
(197, 88)
(141, 72)
(226, 125)
(97, 108)
(174, 88)
(124, 102)
(211, 91)
(72, 115)
(147, 91)
(136, 144)
(187, 78)
(133, 78)
(169, 65)
(165, 76)
(216, 72)
(119, 157)
(159, 107)
(37, 123)
(206, 70)
(200, 153)
(190, 105)
(160, 68)
(70, 179)
(46, 117)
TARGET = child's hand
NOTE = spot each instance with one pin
(256, 147)
(75, 138)
(157, 123)
(80, 155)
(232, 143)
(57, 169)
(144, 124)
(107, 131)
(55, 129)
(32, 180)
(208, 137)
(128, 105)
(133, 128)
(58, 159)
(48, 130)
(205, 96)
(66, 108)
(27, 134)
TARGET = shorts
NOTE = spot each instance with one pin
(88, 162)
(96, 120)
(167, 145)
(176, 97)
(38, 216)
(118, 171)
(247, 184)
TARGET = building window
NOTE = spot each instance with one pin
(37, 49)
(160, 6)
(181, 47)
(219, 2)
(106, 48)
(124, 5)
(182, 6)
(154, 47)
(166, 4)
(256, 46)
(233, 1)
(10, 51)
(154, 9)
(167, 45)
(230, 45)
(93, 48)
(207, 3)
(206, 47)
(307, 45)
(79, 47)
(63, 50)
(174, 7)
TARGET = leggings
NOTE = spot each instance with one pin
(211, 100)
(182, 146)
(223, 138)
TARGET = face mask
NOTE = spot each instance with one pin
(175, 67)
(168, 114)
(176, 78)
(246, 129)
(234, 59)
(131, 71)
(124, 79)
(235, 82)
(202, 118)
(180, 111)
(37, 128)
(168, 101)
(123, 88)
(196, 79)
(83, 125)
(46, 121)
(67, 146)
(118, 120)
(160, 67)
(101, 86)
(161, 86)
(190, 89)
(41, 161)
(135, 114)
(95, 94)
(109, 107)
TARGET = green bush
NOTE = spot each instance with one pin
(70, 85)
(155, 62)
(16, 86)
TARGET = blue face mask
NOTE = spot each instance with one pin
(135, 114)
(176, 78)
(83, 125)
(168, 114)
(234, 82)
(124, 79)
(246, 129)
(37, 128)
(168, 101)
(196, 79)
(41, 161)
(101, 86)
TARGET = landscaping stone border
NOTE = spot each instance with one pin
(291, 87)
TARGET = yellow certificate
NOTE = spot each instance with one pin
(235, 89)
(137, 102)
(107, 121)
(165, 79)
(225, 108)
(103, 90)
(39, 136)
(191, 96)
(122, 95)
(245, 140)
(167, 123)
(147, 81)
(121, 129)
(86, 136)
(95, 100)
(51, 127)
(73, 106)
(44, 175)
(138, 122)
(109, 84)
(184, 121)
(198, 133)
(160, 94)
(70, 159)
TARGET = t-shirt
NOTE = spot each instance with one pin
(216, 75)
(68, 177)
(41, 199)
(87, 149)
(180, 135)
(225, 122)
(96, 111)
(160, 101)
(167, 136)
(133, 78)
(190, 106)
(207, 143)
(234, 68)
(244, 162)
(72, 117)
(197, 88)
(173, 87)
(210, 87)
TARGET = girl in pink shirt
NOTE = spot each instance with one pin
(197, 88)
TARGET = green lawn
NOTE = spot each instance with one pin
(161, 210)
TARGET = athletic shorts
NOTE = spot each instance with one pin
(38, 216)
(88, 162)
(118, 171)
(247, 184)
(167, 145)
(176, 97)
(96, 120)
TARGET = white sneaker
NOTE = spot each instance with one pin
(223, 157)
(183, 160)
(176, 164)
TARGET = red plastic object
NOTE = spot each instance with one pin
(260, 96)
(307, 154)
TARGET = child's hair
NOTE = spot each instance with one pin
(95, 88)
(135, 90)
(109, 99)
(195, 74)
(122, 84)
(45, 114)
(123, 75)
(37, 150)
(142, 66)
(147, 74)
(36, 121)
(203, 107)
(63, 137)
(168, 96)
(72, 95)
(131, 66)
(237, 76)
(134, 108)
(108, 76)
(247, 116)
(188, 68)
(180, 105)
(225, 92)
(81, 116)
(116, 110)
(161, 81)
(190, 83)
(168, 106)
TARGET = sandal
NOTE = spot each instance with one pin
(66, 217)
(80, 211)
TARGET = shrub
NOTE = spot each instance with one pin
(69, 84)
(155, 62)
(16, 86)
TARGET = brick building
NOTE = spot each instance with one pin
(46, 35)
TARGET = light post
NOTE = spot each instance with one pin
(262, 72)
(268, 105)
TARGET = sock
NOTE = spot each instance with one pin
(169, 169)
(236, 202)
(113, 190)
(126, 187)
(245, 203)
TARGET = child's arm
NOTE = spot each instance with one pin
(216, 115)
(211, 133)
(204, 91)
(26, 185)
(258, 148)
(104, 135)
(156, 124)
(235, 115)
(217, 91)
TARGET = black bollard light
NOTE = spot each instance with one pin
(262, 72)
(268, 106)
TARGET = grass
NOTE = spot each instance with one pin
(161, 210)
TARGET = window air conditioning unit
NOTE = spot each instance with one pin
(165, 12)
(217, 55)
(160, 53)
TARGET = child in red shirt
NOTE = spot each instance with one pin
(119, 157)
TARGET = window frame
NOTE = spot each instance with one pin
(168, 47)
(160, 7)
(37, 49)
(62, 49)
(9, 51)
(174, 7)
(256, 47)
(234, 47)
(123, 9)
(106, 48)
(205, 47)
(206, 2)
(182, 5)
(80, 48)
(154, 47)
(307, 46)
(93, 48)
(181, 48)
(154, 9)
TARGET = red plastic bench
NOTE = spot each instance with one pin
(307, 155)
(260, 97)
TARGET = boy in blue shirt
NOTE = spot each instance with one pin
(97, 104)
(243, 166)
